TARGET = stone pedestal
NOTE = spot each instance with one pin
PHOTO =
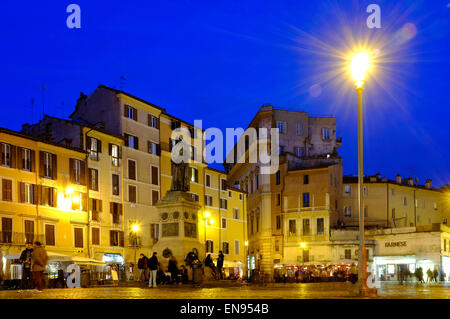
(178, 227)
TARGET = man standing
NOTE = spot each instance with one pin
(220, 260)
(142, 265)
(39, 260)
(153, 265)
(25, 260)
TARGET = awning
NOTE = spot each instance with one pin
(56, 257)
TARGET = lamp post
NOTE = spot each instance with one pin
(359, 66)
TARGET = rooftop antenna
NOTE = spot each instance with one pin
(43, 104)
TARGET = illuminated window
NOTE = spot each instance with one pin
(298, 128)
(347, 190)
(325, 134)
(292, 227)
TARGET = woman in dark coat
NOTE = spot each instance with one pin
(173, 268)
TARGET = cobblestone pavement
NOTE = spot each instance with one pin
(271, 291)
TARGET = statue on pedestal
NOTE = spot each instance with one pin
(181, 174)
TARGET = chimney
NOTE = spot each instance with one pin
(398, 179)
(411, 181)
(428, 183)
(378, 175)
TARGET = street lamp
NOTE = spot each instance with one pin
(135, 229)
(359, 65)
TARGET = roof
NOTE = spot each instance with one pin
(354, 179)
(37, 139)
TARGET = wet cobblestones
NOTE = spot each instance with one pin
(274, 291)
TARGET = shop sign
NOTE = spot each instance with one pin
(395, 244)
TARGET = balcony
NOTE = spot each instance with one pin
(14, 238)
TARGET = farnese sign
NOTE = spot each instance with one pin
(395, 244)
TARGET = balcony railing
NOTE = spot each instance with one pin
(15, 238)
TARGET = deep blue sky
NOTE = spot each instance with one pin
(219, 61)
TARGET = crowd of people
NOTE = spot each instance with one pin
(151, 270)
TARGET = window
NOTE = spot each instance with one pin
(96, 207)
(277, 245)
(280, 126)
(257, 223)
(7, 190)
(115, 184)
(223, 184)
(325, 134)
(225, 248)
(305, 255)
(132, 169)
(320, 226)
(404, 201)
(77, 168)
(236, 213)
(208, 180)
(155, 197)
(132, 193)
(208, 200)
(257, 181)
(364, 190)
(49, 235)
(153, 121)
(29, 231)
(348, 254)
(47, 162)
(195, 197)
(6, 230)
(306, 227)
(230, 194)
(209, 246)
(292, 227)
(153, 148)
(175, 124)
(278, 222)
(78, 201)
(224, 223)
(155, 175)
(309, 132)
(26, 159)
(154, 231)
(347, 190)
(130, 112)
(116, 238)
(95, 236)
(194, 175)
(392, 191)
(298, 128)
(94, 146)
(78, 232)
(132, 141)
(366, 211)
(278, 178)
(347, 211)
(236, 246)
(6, 154)
(305, 179)
(305, 199)
(299, 151)
(116, 211)
(223, 203)
(278, 199)
(48, 196)
(115, 151)
(27, 193)
(93, 179)
(240, 197)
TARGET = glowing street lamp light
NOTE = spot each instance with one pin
(135, 228)
(303, 245)
(359, 66)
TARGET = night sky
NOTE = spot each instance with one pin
(219, 61)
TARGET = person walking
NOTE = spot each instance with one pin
(419, 275)
(25, 260)
(429, 275)
(153, 266)
(39, 260)
(220, 260)
(142, 266)
(173, 268)
(436, 274)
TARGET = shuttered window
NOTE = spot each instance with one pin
(47, 165)
(116, 212)
(155, 175)
(95, 236)
(6, 230)
(132, 193)
(93, 179)
(29, 231)
(78, 232)
(25, 159)
(155, 197)
(77, 171)
(96, 208)
(132, 169)
(50, 235)
(130, 112)
(6, 190)
(115, 184)
(153, 121)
